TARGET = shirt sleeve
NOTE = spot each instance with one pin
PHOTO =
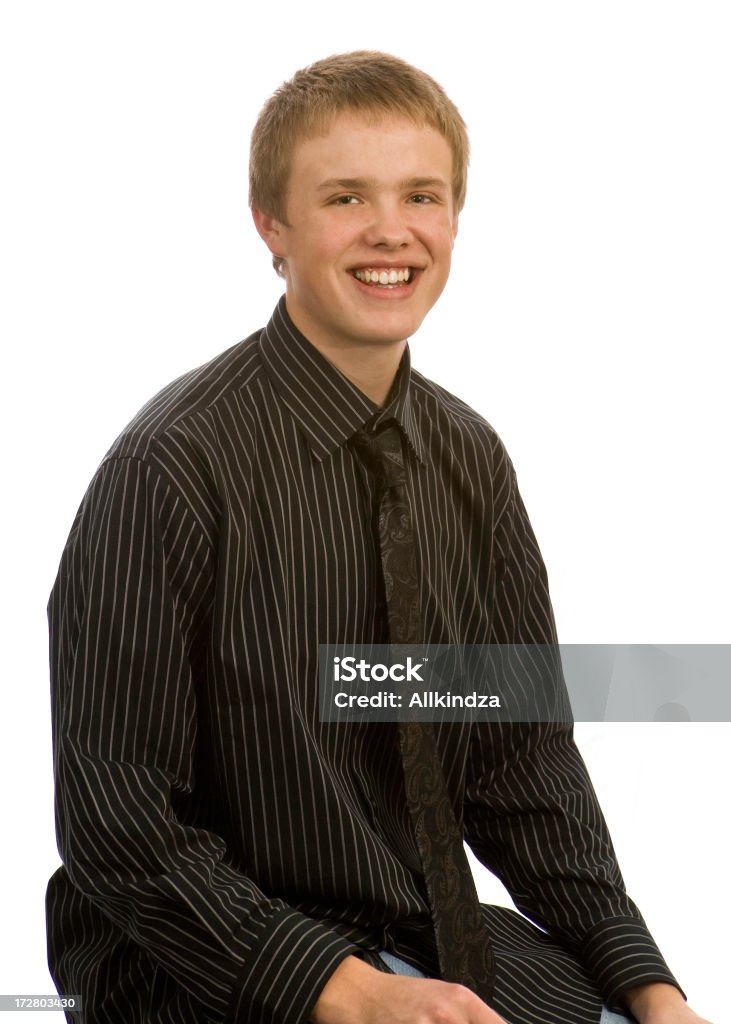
(128, 624)
(531, 813)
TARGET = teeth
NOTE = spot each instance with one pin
(385, 278)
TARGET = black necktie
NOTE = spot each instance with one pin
(463, 945)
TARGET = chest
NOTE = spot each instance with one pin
(303, 550)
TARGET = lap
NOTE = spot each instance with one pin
(399, 966)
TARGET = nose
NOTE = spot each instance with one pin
(388, 226)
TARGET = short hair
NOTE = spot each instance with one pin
(365, 81)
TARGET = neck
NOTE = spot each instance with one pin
(372, 368)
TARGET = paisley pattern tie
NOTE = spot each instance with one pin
(463, 945)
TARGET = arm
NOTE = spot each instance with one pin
(657, 1003)
(531, 813)
(129, 619)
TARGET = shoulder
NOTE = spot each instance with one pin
(183, 441)
(222, 388)
(458, 426)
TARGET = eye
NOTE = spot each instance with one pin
(420, 198)
(345, 200)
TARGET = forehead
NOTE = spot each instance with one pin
(352, 143)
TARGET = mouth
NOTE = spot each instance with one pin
(382, 277)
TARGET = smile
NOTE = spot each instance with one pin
(394, 278)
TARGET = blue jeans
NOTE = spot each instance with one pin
(401, 967)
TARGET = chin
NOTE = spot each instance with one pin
(395, 331)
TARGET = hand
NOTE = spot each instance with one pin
(658, 1003)
(359, 994)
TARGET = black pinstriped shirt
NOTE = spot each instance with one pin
(223, 849)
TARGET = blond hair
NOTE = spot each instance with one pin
(365, 81)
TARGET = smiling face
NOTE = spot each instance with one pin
(369, 233)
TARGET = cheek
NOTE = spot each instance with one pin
(330, 236)
(443, 247)
(440, 237)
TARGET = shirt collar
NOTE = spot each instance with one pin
(326, 405)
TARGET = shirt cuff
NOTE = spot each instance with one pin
(287, 970)
(620, 953)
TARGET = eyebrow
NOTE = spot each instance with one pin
(363, 183)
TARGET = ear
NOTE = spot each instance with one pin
(271, 230)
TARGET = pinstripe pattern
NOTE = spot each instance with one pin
(223, 849)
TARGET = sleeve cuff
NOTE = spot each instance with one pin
(287, 970)
(620, 953)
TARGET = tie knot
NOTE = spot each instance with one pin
(382, 453)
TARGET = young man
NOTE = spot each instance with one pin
(228, 855)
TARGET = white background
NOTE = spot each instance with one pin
(587, 318)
